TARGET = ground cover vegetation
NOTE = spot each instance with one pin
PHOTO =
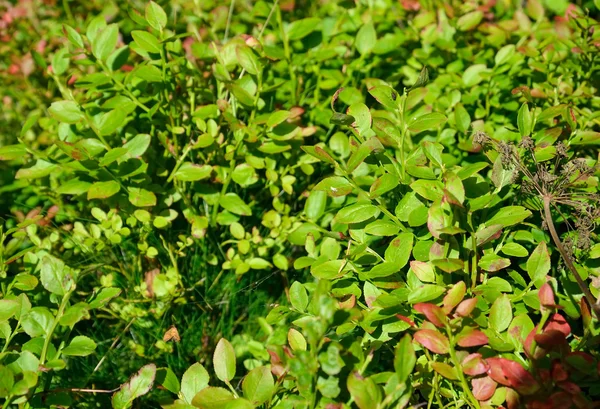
(299, 204)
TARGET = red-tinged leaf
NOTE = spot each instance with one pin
(432, 312)
(466, 307)
(471, 338)
(528, 345)
(455, 296)
(520, 379)
(512, 399)
(445, 370)
(581, 361)
(586, 315)
(544, 375)
(561, 400)
(546, 295)
(433, 340)
(559, 373)
(496, 371)
(559, 323)
(474, 364)
(550, 339)
(483, 388)
(569, 387)
(406, 319)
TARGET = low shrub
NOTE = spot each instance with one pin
(380, 204)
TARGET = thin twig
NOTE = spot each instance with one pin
(586, 292)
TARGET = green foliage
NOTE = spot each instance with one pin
(381, 204)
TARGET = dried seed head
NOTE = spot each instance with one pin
(527, 143)
(506, 151)
(561, 149)
(481, 138)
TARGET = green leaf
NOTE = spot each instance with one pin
(156, 16)
(103, 190)
(104, 296)
(141, 197)
(426, 122)
(296, 340)
(148, 73)
(429, 189)
(8, 308)
(73, 36)
(315, 205)
(110, 121)
(472, 75)
(60, 62)
(224, 360)
(502, 175)
(405, 358)
(11, 152)
(341, 119)
(462, 118)
(328, 270)
(80, 346)
(425, 293)
(146, 41)
(7, 381)
(384, 184)
(190, 172)
(278, 117)
(105, 42)
(362, 117)
(55, 276)
(234, 204)
(538, 264)
(469, 21)
(492, 263)
(258, 385)
(364, 391)
(514, 249)
(248, 60)
(138, 145)
(301, 28)
(193, 381)
(364, 150)
(257, 263)
(356, 213)
(399, 250)
(525, 120)
(66, 111)
(504, 54)
(138, 385)
(39, 170)
(298, 296)
(213, 398)
(366, 38)
(37, 322)
(112, 155)
(385, 95)
(167, 378)
(501, 314)
(335, 186)
(509, 216)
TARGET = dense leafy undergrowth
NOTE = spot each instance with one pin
(372, 204)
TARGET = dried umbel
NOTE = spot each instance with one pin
(555, 183)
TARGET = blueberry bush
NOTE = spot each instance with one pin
(300, 204)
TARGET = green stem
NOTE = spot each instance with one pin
(179, 162)
(474, 403)
(288, 57)
(59, 313)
